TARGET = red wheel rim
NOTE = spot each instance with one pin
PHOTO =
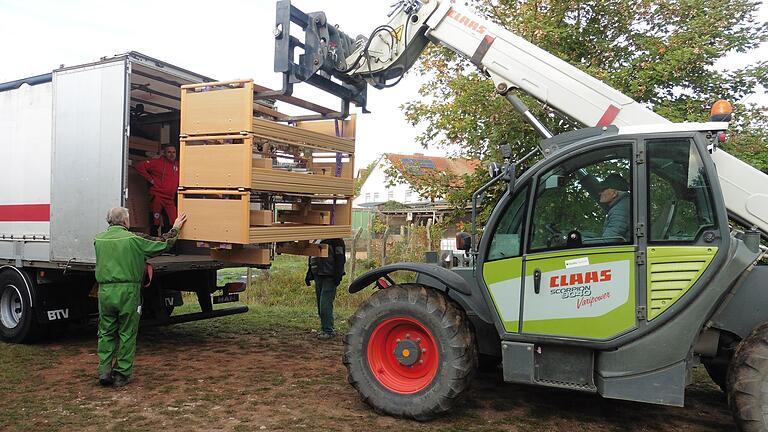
(391, 372)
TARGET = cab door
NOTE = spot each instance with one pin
(502, 265)
(579, 268)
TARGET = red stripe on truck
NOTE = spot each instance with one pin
(609, 116)
(25, 213)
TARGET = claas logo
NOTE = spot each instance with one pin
(470, 23)
(579, 278)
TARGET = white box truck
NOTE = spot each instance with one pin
(67, 141)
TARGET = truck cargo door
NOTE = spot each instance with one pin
(89, 129)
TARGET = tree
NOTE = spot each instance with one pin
(661, 53)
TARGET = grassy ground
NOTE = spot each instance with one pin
(265, 370)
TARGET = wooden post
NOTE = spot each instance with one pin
(429, 234)
(248, 278)
(353, 255)
(384, 247)
(370, 235)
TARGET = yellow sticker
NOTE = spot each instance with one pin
(398, 33)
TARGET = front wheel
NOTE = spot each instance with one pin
(410, 352)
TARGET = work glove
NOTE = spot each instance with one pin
(337, 281)
(308, 280)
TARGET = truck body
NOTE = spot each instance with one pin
(68, 140)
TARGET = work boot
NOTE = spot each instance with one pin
(121, 380)
(106, 378)
(326, 336)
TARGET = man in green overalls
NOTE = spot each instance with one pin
(120, 264)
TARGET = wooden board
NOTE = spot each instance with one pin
(214, 108)
(211, 218)
(281, 133)
(216, 162)
(294, 232)
(245, 255)
(272, 180)
(310, 217)
(303, 248)
(346, 128)
(143, 144)
(262, 218)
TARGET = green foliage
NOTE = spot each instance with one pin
(364, 174)
(661, 53)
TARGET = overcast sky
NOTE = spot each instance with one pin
(226, 39)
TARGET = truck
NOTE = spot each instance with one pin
(609, 266)
(68, 140)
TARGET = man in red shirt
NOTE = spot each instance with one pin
(163, 174)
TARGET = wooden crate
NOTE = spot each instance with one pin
(216, 216)
(217, 161)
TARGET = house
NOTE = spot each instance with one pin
(378, 188)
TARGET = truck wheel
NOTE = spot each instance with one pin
(410, 352)
(748, 381)
(17, 320)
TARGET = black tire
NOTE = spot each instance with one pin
(718, 373)
(17, 320)
(747, 375)
(448, 332)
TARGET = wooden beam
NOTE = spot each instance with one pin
(303, 248)
(295, 232)
(305, 217)
(246, 255)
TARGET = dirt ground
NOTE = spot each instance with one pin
(192, 377)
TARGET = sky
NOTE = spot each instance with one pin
(226, 39)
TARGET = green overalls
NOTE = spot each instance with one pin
(120, 264)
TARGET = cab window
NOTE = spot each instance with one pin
(679, 192)
(507, 237)
(585, 201)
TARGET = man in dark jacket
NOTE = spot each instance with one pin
(614, 197)
(327, 274)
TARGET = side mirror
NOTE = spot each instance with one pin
(463, 242)
(494, 169)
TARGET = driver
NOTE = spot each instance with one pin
(614, 197)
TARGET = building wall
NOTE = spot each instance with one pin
(375, 189)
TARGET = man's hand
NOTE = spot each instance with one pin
(180, 221)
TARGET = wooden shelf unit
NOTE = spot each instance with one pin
(233, 161)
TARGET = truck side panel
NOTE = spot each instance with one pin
(25, 166)
(90, 125)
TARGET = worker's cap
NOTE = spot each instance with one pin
(614, 181)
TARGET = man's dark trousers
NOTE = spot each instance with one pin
(325, 291)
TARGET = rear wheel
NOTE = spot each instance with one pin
(410, 352)
(17, 320)
(747, 381)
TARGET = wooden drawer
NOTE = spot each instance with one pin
(216, 162)
(216, 216)
(216, 108)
